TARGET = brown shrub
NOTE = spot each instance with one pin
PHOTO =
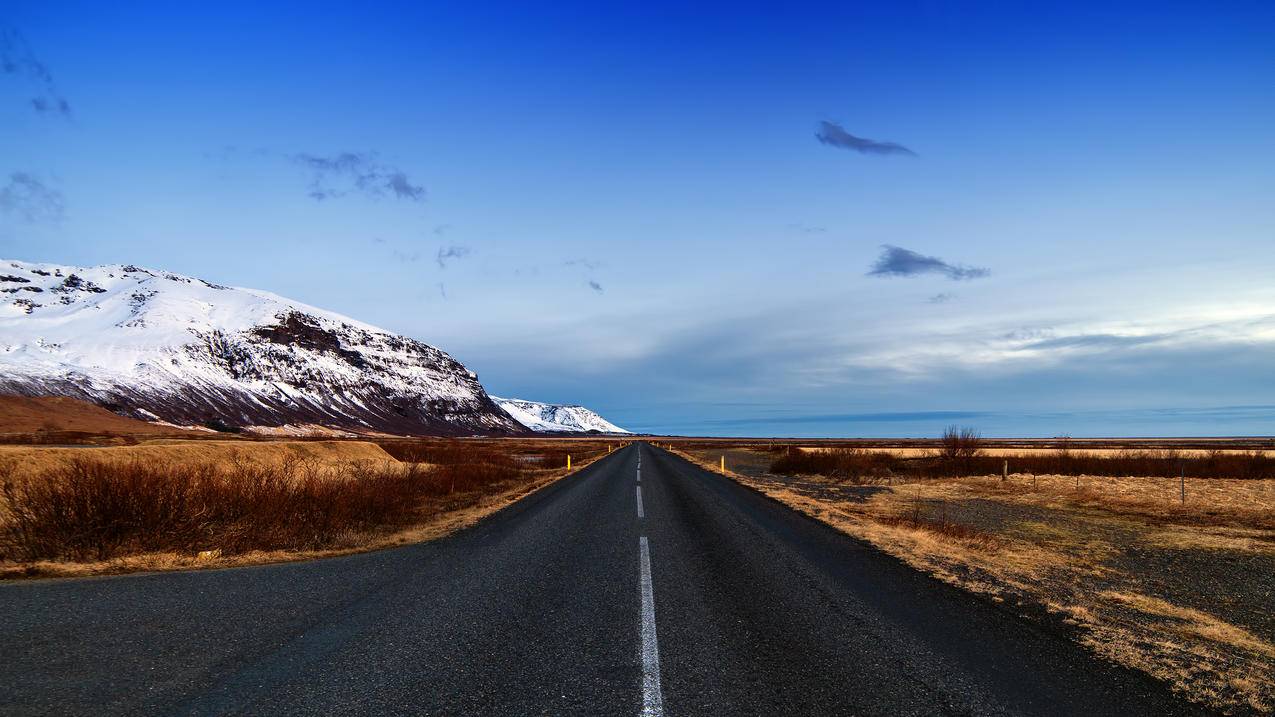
(855, 463)
(1128, 462)
(848, 464)
(940, 526)
(93, 511)
(449, 452)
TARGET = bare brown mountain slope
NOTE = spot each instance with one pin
(31, 414)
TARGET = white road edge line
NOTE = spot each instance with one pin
(639, 501)
(652, 696)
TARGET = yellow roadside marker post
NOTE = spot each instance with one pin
(568, 461)
(723, 465)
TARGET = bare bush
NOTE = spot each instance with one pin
(89, 510)
(1128, 462)
(960, 444)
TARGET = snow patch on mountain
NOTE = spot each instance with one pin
(161, 346)
(556, 418)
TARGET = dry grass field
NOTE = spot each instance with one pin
(185, 504)
(1181, 590)
(22, 461)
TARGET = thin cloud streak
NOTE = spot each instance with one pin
(834, 135)
(1098, 341)
(806, 229)
(897, 261)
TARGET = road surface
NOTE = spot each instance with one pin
(640, 585)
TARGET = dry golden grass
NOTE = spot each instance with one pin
(1209, 501)
(1041, 540)
(24, 461)
(1188, 621)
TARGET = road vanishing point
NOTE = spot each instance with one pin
(640, 585)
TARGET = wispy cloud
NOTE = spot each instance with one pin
(897, 261)
(595, 286)
(45, 105)
(583, 263)
(1098, 341)
(1028, 333)
(833, 134)
(17, 59)
(28, 197)
(446, 254)
(941, 298)
(806, 229)
(348, 172)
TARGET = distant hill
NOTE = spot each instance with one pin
(556, 418)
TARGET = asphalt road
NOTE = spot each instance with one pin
(679, 592)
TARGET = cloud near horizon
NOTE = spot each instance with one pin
(897, 261)
(833, 134)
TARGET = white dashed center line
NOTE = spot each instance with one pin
(652, 697)
(639, 501)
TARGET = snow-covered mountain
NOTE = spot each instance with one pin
(160, 346)
(556, 418)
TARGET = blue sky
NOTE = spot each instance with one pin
(628, 207)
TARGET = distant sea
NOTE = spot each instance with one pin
(1129, 423)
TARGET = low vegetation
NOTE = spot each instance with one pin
(97, 511)
(277, 498)
(858, 464)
